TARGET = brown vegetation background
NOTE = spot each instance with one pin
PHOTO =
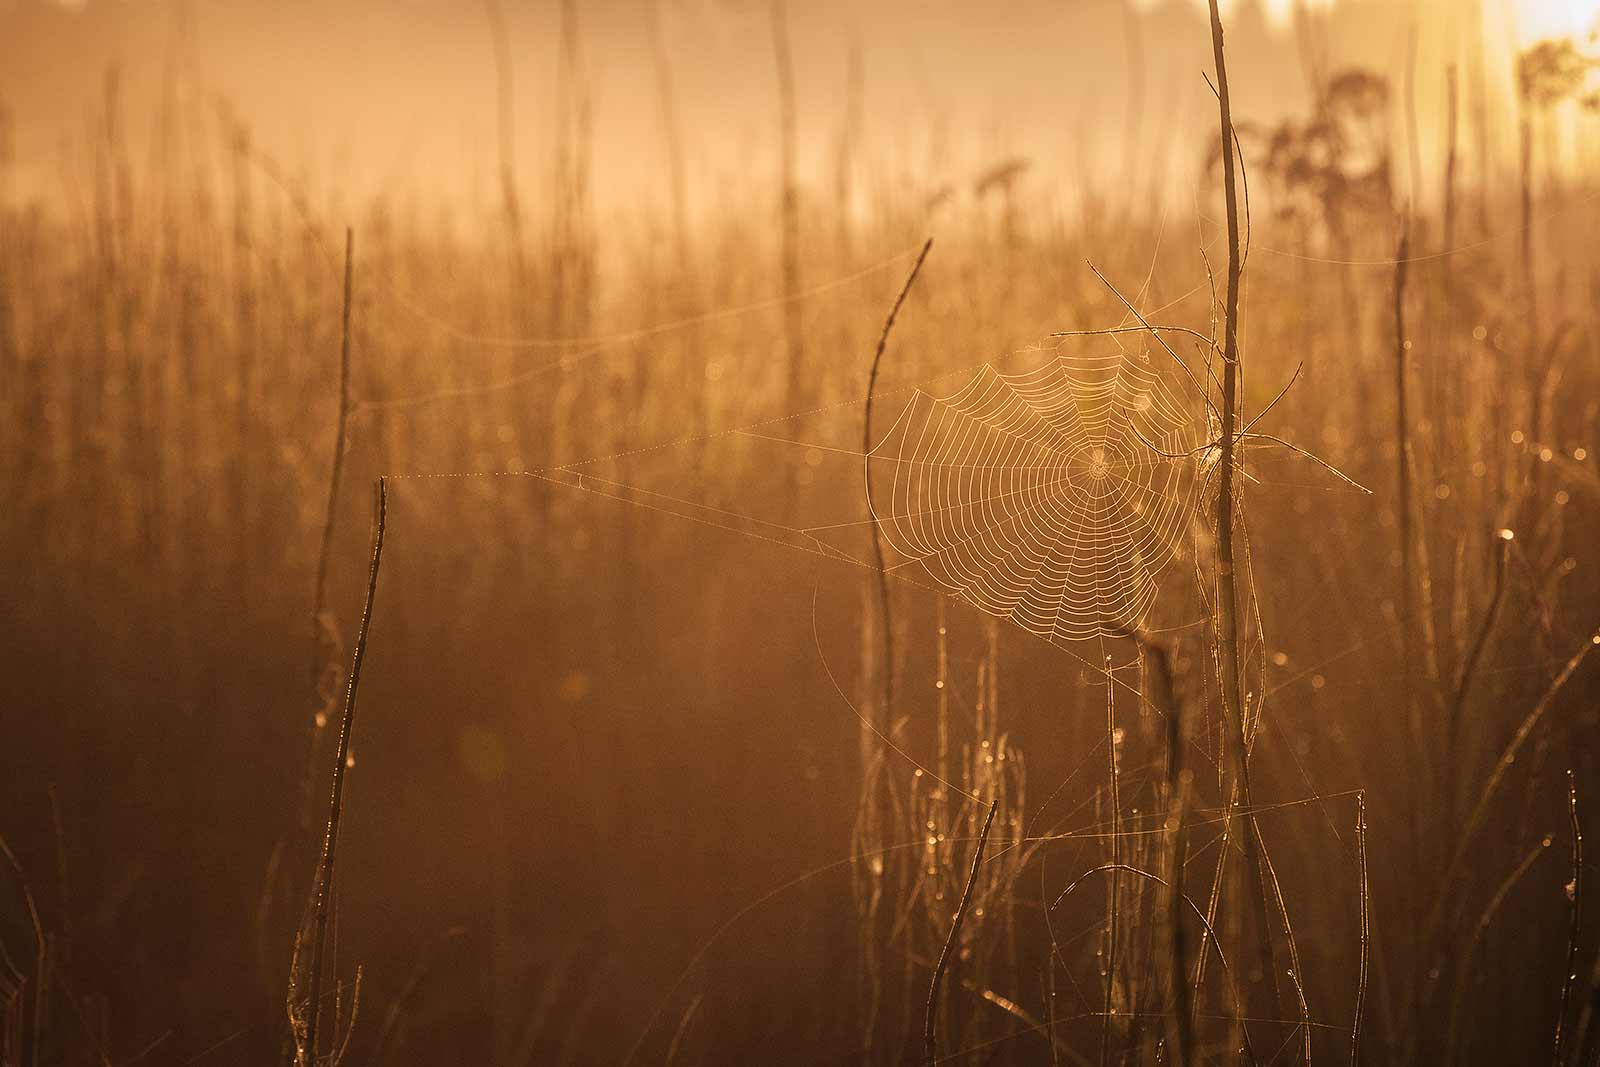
(607, 782)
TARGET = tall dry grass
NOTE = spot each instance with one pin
(169, 340)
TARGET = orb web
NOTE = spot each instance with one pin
(1055, 497)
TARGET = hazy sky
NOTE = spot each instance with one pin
(399, 95)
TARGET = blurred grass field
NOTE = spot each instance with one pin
(607, 780)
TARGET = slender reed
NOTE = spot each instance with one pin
(1469, 666)
(682, 1030)
(320, 599)
(1410, 711)
(1435, 927)
(929, 1020)
(667, 98)
(1413, 141)
(427, 960)
(1402, 437)
(330, 841)
(1228, 608)
(788, 207)
(1448, 389)
(866, 472)
(505, 116)
(1211, 943)
(1575, 891)
(1452, 137)
(13, 1036)
(1465, 972)
(1177, 784)
(1227, 592)
(1584, 1037)
(1481, 810)
(1295, 968)
(1366, 928)
(875, 809)
(1111, 877)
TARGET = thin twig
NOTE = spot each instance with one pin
(1228, 611)
(1465, 971)
(866, 452)
(402, 1000)
(1245, 435)
(1160, 656)
(321, 622)
(682, 1030)
(1463, 685)
(1366, 928)
(1295, 969)
(1509, 756)
(1112, 331)
(1435, 926)
(41, 962)
(320, 599)
(330, 840)
(1575, 891)
(1116, 859)
(873, 814)
(1403, 481)
(928, 1022)
(1211, 939)
(1156, 333)
(788, 206)
(1416, 760)
(1264, 412)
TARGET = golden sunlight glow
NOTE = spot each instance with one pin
(1532, 19)
(1558, 18)
(1279, 12)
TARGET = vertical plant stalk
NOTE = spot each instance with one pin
(875, 809)
(1584, 1035)
(1228, 607)
(1133, 122)
(1417, 787)
(319, 603)
(1402, 437)
(324, 656)
(846, 148)
(1502, 767)
(1452, 137)
(330, 841)
(788, 206)
(1112, 881)
(572, 212)
(1442, 918)
(17, 1036)
(1413, 141)
(1366, 928)
(1177, 784)
(1465, 971)
(1453, 755)
(1449, 389)
(506, 126)
(1525, 202)
(319, 600)
(866, 473)
(941, 686)
(667, 97)
(929, 1020)
(1480, 114)
(1402, 434)
(1575, 890)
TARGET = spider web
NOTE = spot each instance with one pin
(1047, 496)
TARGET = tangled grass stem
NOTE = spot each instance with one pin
(308, 1054)
(929, 1022)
